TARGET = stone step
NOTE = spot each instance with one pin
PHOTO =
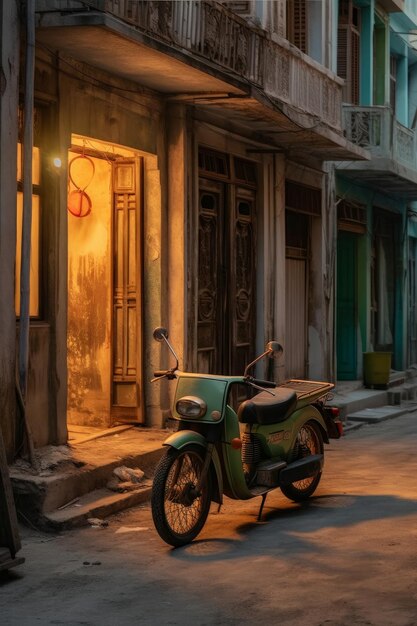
(376, 414)
(352, 401)
(73, 479)
(94, 507)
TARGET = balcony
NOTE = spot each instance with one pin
(392, 146)
(202, 53)
(392, 6)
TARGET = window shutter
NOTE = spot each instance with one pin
(297, 24)
(348, 50)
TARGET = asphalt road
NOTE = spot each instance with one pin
(347, 558)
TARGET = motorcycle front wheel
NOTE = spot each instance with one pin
(309, 441)
(179, 511)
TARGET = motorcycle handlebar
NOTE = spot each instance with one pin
(161, 373)
(263, 383)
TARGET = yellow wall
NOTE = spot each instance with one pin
(89, 298)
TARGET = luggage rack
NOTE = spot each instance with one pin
(304, 388)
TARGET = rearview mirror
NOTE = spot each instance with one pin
(274, 348)
(160, 333)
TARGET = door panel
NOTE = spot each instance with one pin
(226, 278)
(210, 261)
(346, 306)
(295, 317)
(412, 299)
(243, 282)
(126, 374)
(297, 242)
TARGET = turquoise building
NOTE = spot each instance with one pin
(376, 199)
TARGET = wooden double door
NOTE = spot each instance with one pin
(226, 322)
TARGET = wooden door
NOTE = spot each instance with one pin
(127, 396)
(226, 278)
(297, 242)
(346, 314)
(242, 303)
(295, 347)
(412, 302)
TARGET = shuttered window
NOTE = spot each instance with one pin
(348, 49)
(297, 24)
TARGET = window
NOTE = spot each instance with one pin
(297, 24)
(348, 48)
(35, 248)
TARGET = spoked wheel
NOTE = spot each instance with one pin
(179, 510)
(309, 441)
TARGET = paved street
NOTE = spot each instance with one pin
(347, 558)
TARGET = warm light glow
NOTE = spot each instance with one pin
(57, 162)
(36, 162)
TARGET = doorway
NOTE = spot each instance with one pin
(297, 238)
(104, 353)
(347, 305)
(412, 301)
(226, 316)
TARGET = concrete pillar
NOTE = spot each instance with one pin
(275, 233)
(176, 285)
(401, 96)
(9, 75)
(156, 394)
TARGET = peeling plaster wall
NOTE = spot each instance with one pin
(85, 101)
(89, 303)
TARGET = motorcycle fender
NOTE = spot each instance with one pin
(311, 413)
(186, 437)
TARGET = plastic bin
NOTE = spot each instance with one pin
(376, 368)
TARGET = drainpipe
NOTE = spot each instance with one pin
(23, 354)
(27, 197)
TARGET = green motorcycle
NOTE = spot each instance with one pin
(237, 436)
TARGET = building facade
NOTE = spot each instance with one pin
(182, 174)
(375, 202)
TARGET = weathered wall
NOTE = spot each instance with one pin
(9, 73)
(84, 101)
(89, 299)
(38, 384)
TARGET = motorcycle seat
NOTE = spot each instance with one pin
(266, 409)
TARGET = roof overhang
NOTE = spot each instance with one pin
(384, 175)
(103, 41)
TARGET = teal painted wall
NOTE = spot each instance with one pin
(368, 197)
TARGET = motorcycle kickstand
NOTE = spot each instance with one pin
(262, 506)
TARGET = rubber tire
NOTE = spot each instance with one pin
(291, 491)
(162, 525)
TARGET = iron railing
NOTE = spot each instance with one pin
(212, 32)
(376, 129)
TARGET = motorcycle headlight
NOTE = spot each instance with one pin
(191, 406)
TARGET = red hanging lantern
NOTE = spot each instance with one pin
(79, 202)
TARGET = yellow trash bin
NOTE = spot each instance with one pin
(376, 368)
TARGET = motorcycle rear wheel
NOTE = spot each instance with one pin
(179, 512)
(309, 441)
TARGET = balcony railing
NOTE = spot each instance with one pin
(210, 31)
(376, 129)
